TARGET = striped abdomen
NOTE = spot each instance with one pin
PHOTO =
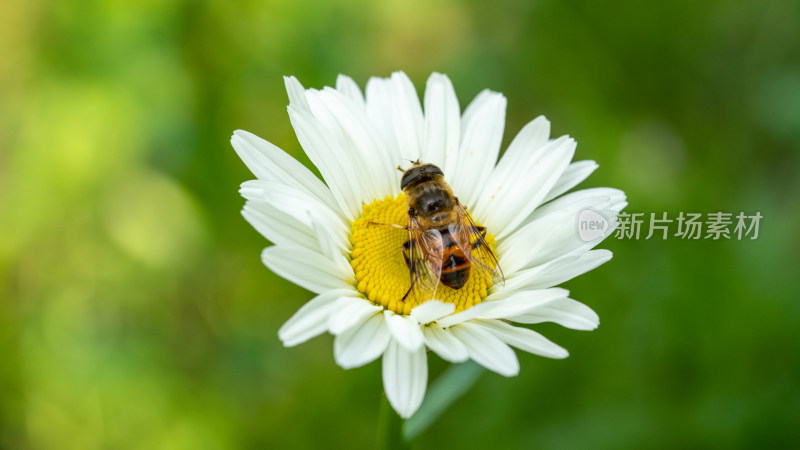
(455, 264)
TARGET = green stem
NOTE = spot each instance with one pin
(451, 385)
(390, 435)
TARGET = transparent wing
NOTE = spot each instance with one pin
(472, 241)
(424, 258)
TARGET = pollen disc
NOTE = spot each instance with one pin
(382, 274)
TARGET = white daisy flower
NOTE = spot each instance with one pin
(323, 241)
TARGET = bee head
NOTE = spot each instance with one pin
(419, 172)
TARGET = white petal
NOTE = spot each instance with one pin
(486, 349)
(297, 93)
(405, 378)
(525, 145)
(330, 235)
(380, 111)
(557, 271)
(406, 117)
(311, 319)
(443, 342)
(573, 174)
(518, 249)
(442, 131)
(563, 241)
(565, 312)
(481, 134)
(325, 151)
(369, 156)
(619, 206)
(523, 338)
(335, 125)
(348, 312)
(348, 87)
(268, 162)
(432, 310)
(467, 314)
(553, 234)
(505, 203)
(277, 226)
(565, 202)
(404, 330)
(299, 205)
(305, 268)
(521, 302)
(331, 248)
(362, 343)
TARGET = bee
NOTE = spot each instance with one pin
(444, 244)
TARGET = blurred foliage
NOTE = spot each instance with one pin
(134, 310)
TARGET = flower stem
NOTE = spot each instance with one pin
(390, 435)
(451, 385)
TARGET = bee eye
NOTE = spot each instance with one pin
(431, 169)
(414, 173)
(408, 177)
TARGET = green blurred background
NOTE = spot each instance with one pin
(135, 311)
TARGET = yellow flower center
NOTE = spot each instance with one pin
(381, 272)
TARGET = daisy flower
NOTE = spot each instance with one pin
(323, 240)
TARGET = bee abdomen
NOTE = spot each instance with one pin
(455, 268)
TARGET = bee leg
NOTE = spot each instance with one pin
(411, 268)
(481, 239)
(388, 225)
(413, 283)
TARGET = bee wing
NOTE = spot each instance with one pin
(472, 241)
(424, 257)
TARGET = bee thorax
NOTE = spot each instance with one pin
(440, 219)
